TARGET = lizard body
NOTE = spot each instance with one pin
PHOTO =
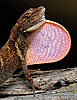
(12, 54)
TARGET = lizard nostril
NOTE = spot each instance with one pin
(41, 7)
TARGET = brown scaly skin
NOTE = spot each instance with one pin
(12, 54)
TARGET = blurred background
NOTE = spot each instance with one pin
(61, 11)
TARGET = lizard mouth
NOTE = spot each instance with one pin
(39, 22)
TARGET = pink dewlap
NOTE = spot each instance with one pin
(50, 43)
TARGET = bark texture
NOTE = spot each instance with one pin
(56, 84)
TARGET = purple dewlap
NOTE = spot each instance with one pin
(49, 43)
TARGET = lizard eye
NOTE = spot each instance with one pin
(27, 16)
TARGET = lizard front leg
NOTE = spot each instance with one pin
(28, 76)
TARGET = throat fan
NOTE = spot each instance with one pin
(49, 43)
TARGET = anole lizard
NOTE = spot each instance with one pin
(13, 53)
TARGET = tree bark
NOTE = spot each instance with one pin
(56, 85)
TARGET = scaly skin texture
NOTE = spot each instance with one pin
(12, 54)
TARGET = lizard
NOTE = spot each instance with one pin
(13, 53)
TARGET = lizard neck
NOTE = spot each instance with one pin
(19, 38)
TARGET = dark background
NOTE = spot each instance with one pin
(61, 11)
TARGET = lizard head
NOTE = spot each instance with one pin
(32, 19)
